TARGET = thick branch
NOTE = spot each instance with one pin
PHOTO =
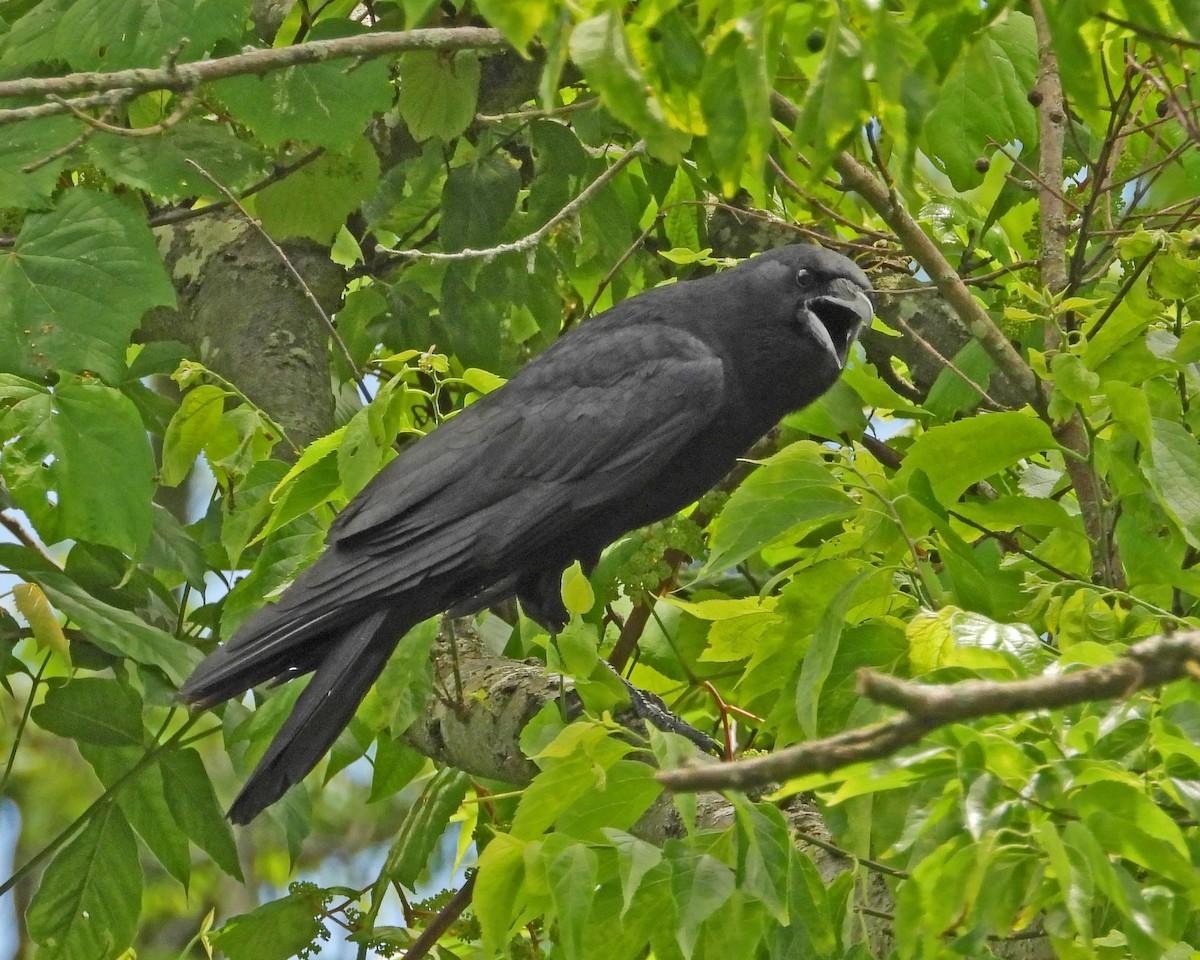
(185, 76)
(1052, 123)
(1150, 663)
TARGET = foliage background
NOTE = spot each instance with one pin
(1004, 482)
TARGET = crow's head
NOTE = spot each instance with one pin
(833, 295)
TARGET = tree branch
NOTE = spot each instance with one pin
(1053, 121)
(187, 76)
(1149, 663)
(531, 240)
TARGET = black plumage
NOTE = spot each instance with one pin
(624, 421)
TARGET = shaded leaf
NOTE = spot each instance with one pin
(437, 93)
(74, 286)
(275, 931)
(793, 487)
(194, 806)
(983, 100)
(1174, 474)
(323, 104)
(90, 896)
(114, 630)
(93, 710)
(956, 455)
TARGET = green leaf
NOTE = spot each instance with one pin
(92, 710)
(701, 885)
(143, 802)
(956, 455)
(406, 683)
(113, 34)
(424, 825)
(821, 652)
(573, 765)
(1133, 808)
(734, 96)
(499, 889)
(793, 487)
(600, 48)
(983, 100)
(26, 143)
(681, 220)
(577, 594)
(80, 465)
(87, 904)
(315, 200)
(572, 875)
(811, 931)
(635, 859)
(171, 548)
(618, 800)
(275, 931)
(194, 806)
(437, 93)
(517, 21)
(323, 104)
(1174, 475)
(764, 853)
(362, 451)
(117, 631)
(837, 100)
(396, 763)
(951, 394)
(75, 285)
(198, 415)
(158, 164)
(477, 201)
(1130, 319)
(1073, 879)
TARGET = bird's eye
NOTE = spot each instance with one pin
(802, 277)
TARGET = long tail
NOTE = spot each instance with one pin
(349, 665)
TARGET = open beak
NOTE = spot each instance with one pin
(836, 317)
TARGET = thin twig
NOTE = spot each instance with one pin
(181, 215)
(69, 832)
(1122, 291)
(531, 240)
(441, 922)
(21, 724)
(27, 539)
(538, 114)
(1147, 32)
(946, 362)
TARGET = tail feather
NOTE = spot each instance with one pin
(255, 656)
(350, 665)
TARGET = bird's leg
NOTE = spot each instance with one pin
(448, 635)
(650, 707)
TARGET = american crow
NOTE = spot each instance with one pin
(624, 421)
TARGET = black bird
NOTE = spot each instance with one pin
(623, 421)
